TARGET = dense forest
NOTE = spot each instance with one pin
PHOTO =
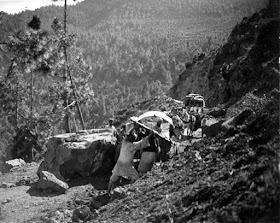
(119, 52)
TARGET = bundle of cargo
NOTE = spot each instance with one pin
(194, 100)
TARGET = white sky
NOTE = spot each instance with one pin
(16, 6)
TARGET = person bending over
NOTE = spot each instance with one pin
(148, 156)
(125, 165)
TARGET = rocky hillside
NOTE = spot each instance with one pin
(248, 62)
(233, 177)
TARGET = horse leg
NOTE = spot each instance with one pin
(191, 129)
(188, 129)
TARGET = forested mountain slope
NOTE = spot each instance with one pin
(232, 177)
(136, 50)
(143, 40)
(236, 178)
(248, 62)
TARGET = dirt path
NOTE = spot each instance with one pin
(22, 204)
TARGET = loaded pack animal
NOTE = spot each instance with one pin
(186, 122)
(199, 118)
(189, 122)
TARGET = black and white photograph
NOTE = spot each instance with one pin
(139, 111)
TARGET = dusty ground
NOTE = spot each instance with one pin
(233, 177)
(213, 180)
(24, 203)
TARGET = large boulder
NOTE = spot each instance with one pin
(79, 154)
(48, 181)
(237, 120)
(12, 164)
(216, 112)
(211, 127)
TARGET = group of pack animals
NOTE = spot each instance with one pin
(185, 119)
(185, 123)
(189, 118)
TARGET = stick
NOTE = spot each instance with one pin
(70, 105)
(146, 127)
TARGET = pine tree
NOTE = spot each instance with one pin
(65, 40)
(167, 79)
(146, 91)
(103, 104)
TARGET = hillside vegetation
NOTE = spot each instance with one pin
(248, 62)
(235, 177)
(232, 177)
(121, 52)
(141, 41)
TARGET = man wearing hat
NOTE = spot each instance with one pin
(125, 165)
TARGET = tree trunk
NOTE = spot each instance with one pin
(65, 104)
(68, 72)
(67, 126)
(16, 111)
(31, 101)
(76, 98)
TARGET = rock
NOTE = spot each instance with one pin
(236, 120)
(79, 154)
(15, 163)
(118, 193)
(211, 127)
(7, 185)
(48, 181)
(6, 201)
(81, 213)
(24, 181)
(59, 217)
(96, 204)
(217, 112)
